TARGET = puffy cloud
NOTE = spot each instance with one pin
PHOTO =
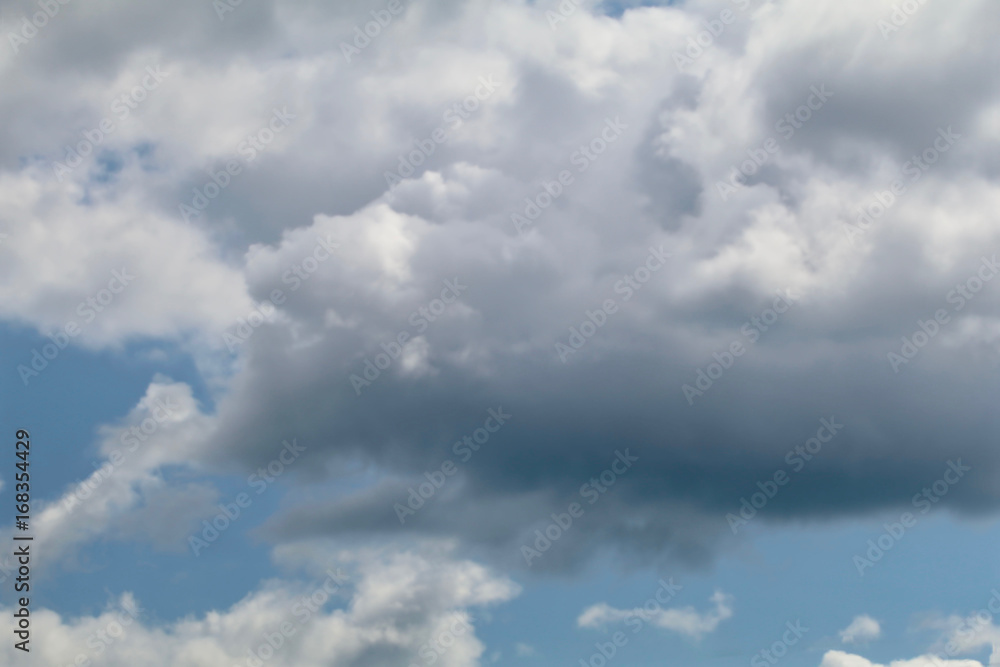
(788, 94)
(98, 268)
(861, 630)
(654, 187)
(383, 610)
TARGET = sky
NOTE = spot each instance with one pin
(399, 333)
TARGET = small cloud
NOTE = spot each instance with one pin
(686, 621)
(524, 650)
(862, 630)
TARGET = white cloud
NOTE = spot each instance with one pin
(842, 659)
(686, 621)
(960, 635)
(861, 630)
(970, 633)
(125, 497)
(110, 266)
(389, 610)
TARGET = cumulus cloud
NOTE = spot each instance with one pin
(129, 272)
(685, 621)
(861, 630)
(784, 229)
(383, 610)
(801, 221)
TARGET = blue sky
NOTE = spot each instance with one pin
(503, 333)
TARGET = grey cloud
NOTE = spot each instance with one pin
(654, 187)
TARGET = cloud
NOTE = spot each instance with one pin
(686, 621)
(861, 630)
(969, 633)
(959, 635)
(524, 650)
(655, 187)
(384, 610)
(126, 497)
(842, 659)
(784, 230)
(130, 272)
